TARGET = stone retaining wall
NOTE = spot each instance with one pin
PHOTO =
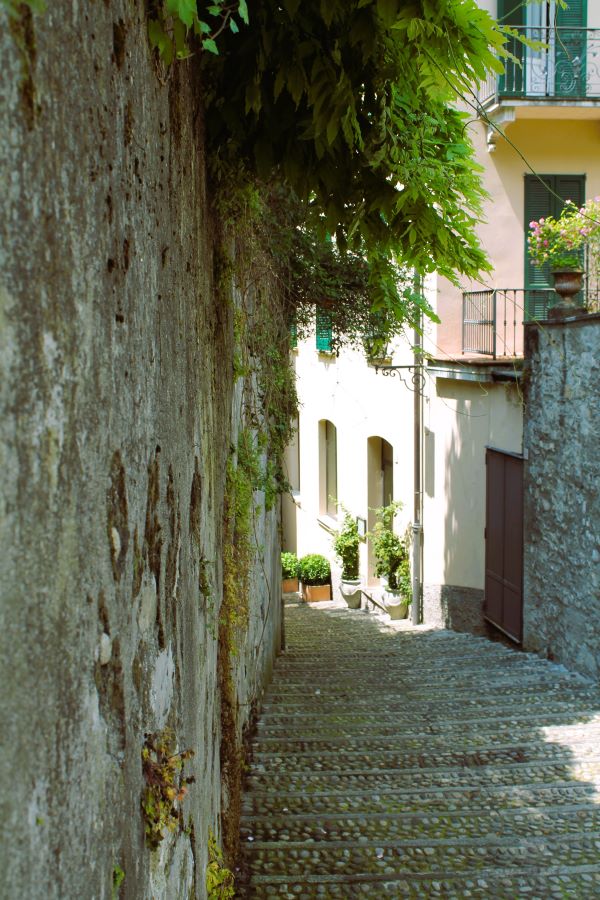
(116, 408)
(562, 485)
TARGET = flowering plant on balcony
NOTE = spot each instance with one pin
(561, 242)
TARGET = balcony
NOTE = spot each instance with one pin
(493, 319)
(565, 72)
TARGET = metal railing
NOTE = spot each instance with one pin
(567, 68)
(493, 319)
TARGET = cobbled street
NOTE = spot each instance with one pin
(393, 761)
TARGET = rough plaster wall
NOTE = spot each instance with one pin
(115, 423)
(562, 486)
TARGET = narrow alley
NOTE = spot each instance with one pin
(400, 762)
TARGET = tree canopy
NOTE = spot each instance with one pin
(351, 101)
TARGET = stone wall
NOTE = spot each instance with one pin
(452, 606)
(117, 400)
(562, 482)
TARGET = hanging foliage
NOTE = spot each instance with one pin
(351, 102)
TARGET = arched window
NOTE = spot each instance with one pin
(328, 489)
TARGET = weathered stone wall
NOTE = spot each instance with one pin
(562, 485)
(116, 408)
(453, 606)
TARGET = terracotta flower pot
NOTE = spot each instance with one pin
(289, 585)
(314, 593)
(567, 284)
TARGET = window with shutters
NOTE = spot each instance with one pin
(323, 330)
(559, 68)
(545, 195)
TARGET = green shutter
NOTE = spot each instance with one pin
(293, 336)
(510, 83)
(541, 201)
(569, 187)
(570, 64)
(572, 16)
(323, 330)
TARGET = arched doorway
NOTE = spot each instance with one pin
(380, 468)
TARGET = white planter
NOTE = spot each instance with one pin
(350, 591)
(395, 604)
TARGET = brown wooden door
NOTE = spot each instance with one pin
(503, 605)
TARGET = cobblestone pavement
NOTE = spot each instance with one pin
(399, 762)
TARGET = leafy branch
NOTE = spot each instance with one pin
(175, 23)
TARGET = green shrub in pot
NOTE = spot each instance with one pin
(290, 566)
(346, 543)
(314, 569)
(391, 555)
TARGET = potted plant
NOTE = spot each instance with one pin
(315, 575)
(346, 543)
(289, 573)
(391, 562)
(561, 244)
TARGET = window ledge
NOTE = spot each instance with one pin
(328, 523)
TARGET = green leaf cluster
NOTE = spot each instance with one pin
(174, 25)
(289, 565)
(390, 551)
(315, 569)
(117, 880)
(351, 102)
(346, 543)
(164, 785)
(219, 879)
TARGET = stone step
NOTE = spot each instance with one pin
(391, 762)
(575, 737)
(329, 731)
(554, 883)
(508, 773)
(296, 694)
(344, 760)
(441, 798)
(410, 857)
(474, 822)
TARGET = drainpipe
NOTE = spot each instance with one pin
(417, 525)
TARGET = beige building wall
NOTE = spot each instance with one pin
(558, 146)
(462, 418)
(363, 406)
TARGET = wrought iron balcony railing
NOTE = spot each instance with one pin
(567, 68)
(493, 320)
